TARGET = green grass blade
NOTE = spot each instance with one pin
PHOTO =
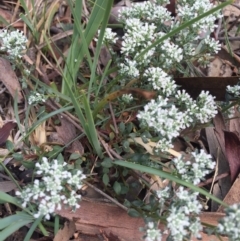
(32, 229)
(27, 22)
(92, 130)
(9, 199)
(78, 51)
(168, 176)
(99, 45)
(13, 228)
(183, 26)
(4, 222)
(56, 224)
(101, 81)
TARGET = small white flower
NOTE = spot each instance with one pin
(234, 90)
(13, 42)
(35, 98)
(160, 80)
(51, 191)
(109, 37)
(229, 225)
(196, 170)
(152, 233)
(127, 98)
(129, 68)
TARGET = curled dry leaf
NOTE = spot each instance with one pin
(66, 133)
(232, 149)
(9, 79)
(5, 131)
(66, 233)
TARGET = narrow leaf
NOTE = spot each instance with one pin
(9, 199)
(169, 177)
(5, 131)
(4, 222)
(13, 228)
(232, 149)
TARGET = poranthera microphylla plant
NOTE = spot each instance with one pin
(173, 110)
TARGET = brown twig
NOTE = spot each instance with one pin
(208, 181)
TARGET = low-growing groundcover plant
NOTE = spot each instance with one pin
(143, 67)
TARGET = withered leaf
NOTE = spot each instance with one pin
(5, 131)
(232, 149)
(9, 79)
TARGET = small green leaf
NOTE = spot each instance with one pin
(117, 187)
(111, 135)
(127, 203)
(107, 162)
(138, 203)
(28, 164)
(105, 170)
(126, 145)
(9, 145)
(124, 189)
(60, 158)
(129, 127)
(74, 156)
(121, 127)
(17, 156)
(105, 179)
(133, 213)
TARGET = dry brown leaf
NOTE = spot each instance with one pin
(220, 126)
(9, 79)
(7, 186)
(66, 233)
(233, 196)
(5, 131)
(67, 132)
(215, 85)
(105, 56)
(221, 188)
(232, 12)
(234, 124)
(232, 148)
(7, 15)
(220, 67)
(96, 217)
(113, 19)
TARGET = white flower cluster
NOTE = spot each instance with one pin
(234, 90)
(196, 169)
(13, 43)
(189, 9)
(35, 98)
(207, 108)
(182, 221)
(229, 225)
(52, 190)
(163, 194)
(129, 68)
(152, 233)
(127, 98)
(109, 36)
(160, 80)
(138, 36)
(148, 12)
(147, 21)
(168, 120)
